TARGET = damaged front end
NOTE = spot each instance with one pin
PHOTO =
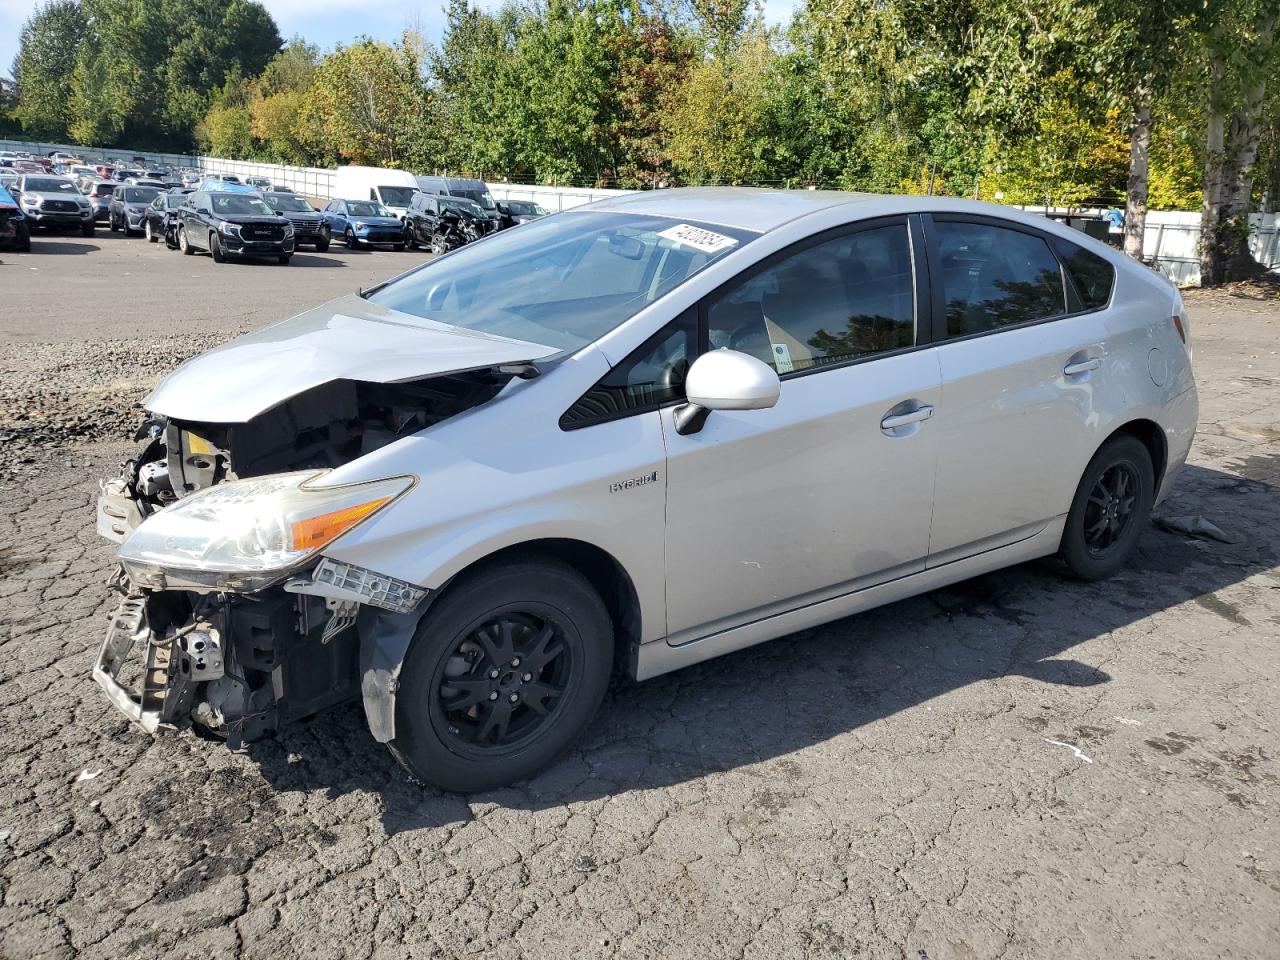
(230, 616)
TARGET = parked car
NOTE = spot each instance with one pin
(27, 166)
(161, 218)
(233, 225)
(128, 210)
(258, 183)
(394, 189)
(54, 203)
(467, 189)
(226, 177)
(363, 221)
(516, 212)
(444, 223)
(655, 429)
(105, 170)
(309, 226)
(9, 179)
(100, 194)
(15, 232)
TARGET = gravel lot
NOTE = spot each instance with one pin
(1018, 766)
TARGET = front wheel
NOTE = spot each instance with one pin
(284, 258)
(1110, 510)
(23, 240)
(439, 244)
(322, 246)
(215, 248)
(150, 234)
(86, 229)
(113, 223)
(349, 238)
(504, 674)
(183, 245)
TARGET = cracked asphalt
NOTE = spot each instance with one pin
(1017, 766)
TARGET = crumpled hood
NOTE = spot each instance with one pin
(345, 339)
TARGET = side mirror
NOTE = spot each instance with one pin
(725, 380)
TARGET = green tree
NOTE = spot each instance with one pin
(49, 47)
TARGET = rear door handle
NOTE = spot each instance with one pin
(922, 412)
(1082, 366)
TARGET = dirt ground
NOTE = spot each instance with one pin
(1018, 766)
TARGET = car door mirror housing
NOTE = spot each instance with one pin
(725, 380)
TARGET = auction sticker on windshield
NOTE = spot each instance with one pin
(705, 240)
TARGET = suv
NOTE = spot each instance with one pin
(100, 193)
(233, 225)
(363, 221)
(468, 189)
(128, 210)
(647, 432)
(443, 223)
(49, 201)
(308, 225)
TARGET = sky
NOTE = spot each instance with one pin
(325, 22)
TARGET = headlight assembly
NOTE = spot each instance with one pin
(245, 534)
(230, 229)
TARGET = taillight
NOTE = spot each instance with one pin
(1177, 325)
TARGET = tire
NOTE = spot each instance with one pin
(398, 247)
(113, 223)
(149, 233)
(183, 244)
(546, 606)
(1110, 510)
(284, 258)
(349, 238)
(24, 238)
(124, 225)
(322, 246)
(411, 240)
(215, 248)
(86, 229)
(438, 244)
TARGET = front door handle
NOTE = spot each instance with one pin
(1082, 366)
(893, 421)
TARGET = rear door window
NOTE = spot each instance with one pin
(1092, 275)
(995, 277)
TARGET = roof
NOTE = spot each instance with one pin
(747, 208)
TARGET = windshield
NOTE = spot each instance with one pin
(239, 204)
(140, 194)
(476, 196)
(458, 205)
(50, 185)
(292, 204)
(367, 208)
(397, 196)
(563, 281)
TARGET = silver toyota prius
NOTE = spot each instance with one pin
(634, 435)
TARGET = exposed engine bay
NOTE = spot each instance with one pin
(244, 665)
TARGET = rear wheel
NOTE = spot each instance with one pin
(398, 247)
(504, 674)
(183, 245)
(215, 248)
(1110, 510)
(150, 234)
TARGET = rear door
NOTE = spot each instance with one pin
(1020, 357)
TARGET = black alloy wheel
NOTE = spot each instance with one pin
(505, 672)
(1110, 509)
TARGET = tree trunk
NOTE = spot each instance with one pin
(1135, 207)
(1210, 261)
(1246, 132)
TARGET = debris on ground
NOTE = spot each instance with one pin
(1196, 526)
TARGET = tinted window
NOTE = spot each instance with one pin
(653, 375)
(841, 299)
(1092, 275)
(140, 194)
(993, 277)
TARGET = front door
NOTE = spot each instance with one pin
(831, 490)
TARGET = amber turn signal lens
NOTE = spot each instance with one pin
(315, 532)
(1177, 325)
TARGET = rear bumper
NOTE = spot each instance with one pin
(1180, 420)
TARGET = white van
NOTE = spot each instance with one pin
(391, 188)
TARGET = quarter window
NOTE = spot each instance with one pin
(651, 376)
(841, 299)
(993, 277)
(1092, 275)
